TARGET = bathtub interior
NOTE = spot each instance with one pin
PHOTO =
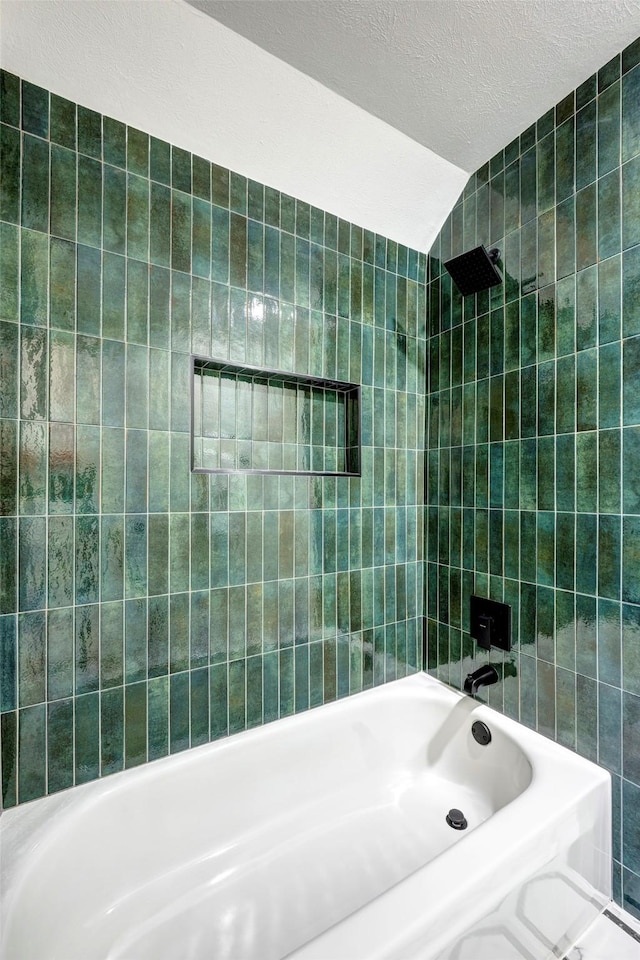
(253, 847)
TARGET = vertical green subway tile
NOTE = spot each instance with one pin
(87, 648)
(135, 724)
(630, 485)
(631, 292)
(35, 184)
(586, 385)
(630, 559)
(159, 225)
(32, 753)
(630, 114)
(609, 556)
(59, 745)
(89, 264)
(201, 238)
(32, 467)
(586, 563)
(586, 227)
(60, 568)
(179, 712)
(609, 129)
(586, 472)
(87, 737)
(62, 287)
(238, 193)
(113, 296)
(114, 210)
(112, 731)
(10, 98)
(112, 558)
(9, 273)
(565, 238)
(34, 279)
(89, 132)
(609, 454)
(181, 225)
(586, 717)
(114, 141)
(586, 142)
(631, 203)
(137, 217)
(35, 109)
(9, 745)
(31, 658)
(609, 642)
(32, 562)
(9, 174)
(630, 372)
(609, 385)
(8, 664)
(87, 559)
(609, 215)
(137, 152)
(89, 201)
(158, 717)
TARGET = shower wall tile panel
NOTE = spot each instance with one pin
(533, 446)
(145, 609)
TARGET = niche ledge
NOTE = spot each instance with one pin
(246, 419)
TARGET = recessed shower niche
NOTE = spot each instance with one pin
(246, 419)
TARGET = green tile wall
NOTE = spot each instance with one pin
(533, 455)
(145, 609)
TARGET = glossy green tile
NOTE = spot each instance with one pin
(10, 173)
(586, 536)
(34, 279)
(114, 210)
(32, 562)
(31, 638)
(137, 217)
(609, 215)
(87, 648)
(89, 132)
(10, 98)
(35, 109)
(87, 737)
(88, 320)
(631, 203)
(9, 746)
(137, 152)
(89, 201)
(35, 183)
(630, 370)
(609, 482)
(87, 559)
(114, 141)
(59, 745)
(60, 569)
(32, 753)
(630, 554)
(111, 731)
(609, 128)
(135, 724)
(586, 226)
(61, 468)
(63, 121)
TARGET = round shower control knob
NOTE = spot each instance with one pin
(456, 819)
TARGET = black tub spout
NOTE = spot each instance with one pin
(484, 676)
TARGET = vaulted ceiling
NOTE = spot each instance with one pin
(462, 77)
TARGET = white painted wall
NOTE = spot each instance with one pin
(168, 69)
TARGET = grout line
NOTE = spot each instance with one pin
(619, 922)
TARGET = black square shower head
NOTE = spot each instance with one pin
(474, 270)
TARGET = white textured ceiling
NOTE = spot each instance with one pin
(462, 77)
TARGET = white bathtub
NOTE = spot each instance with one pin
(320, 837)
